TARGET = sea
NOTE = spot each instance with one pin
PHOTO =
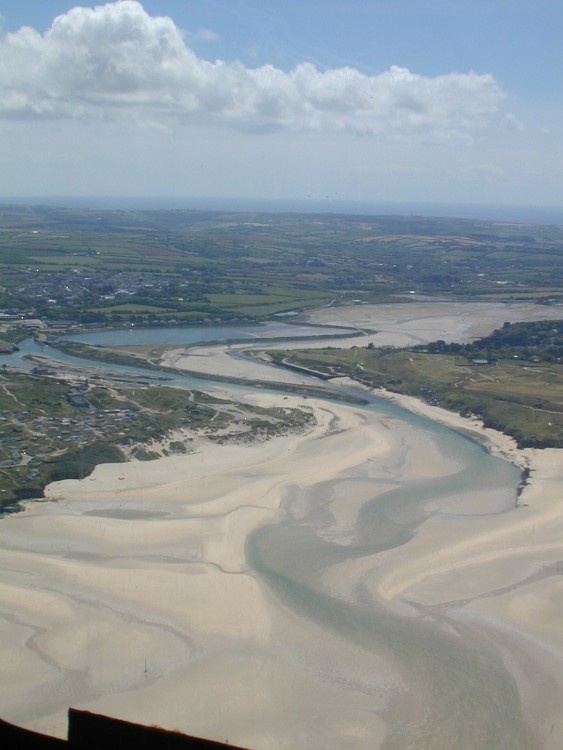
(494, 212)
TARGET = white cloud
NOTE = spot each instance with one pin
(116, 61)
(207, 35)
(512, 122)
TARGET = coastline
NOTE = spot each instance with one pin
(106, 563)
(131, 594)
(497, 443)
(504, 580)
(124, 572)
(533, 520)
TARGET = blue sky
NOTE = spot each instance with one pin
(382, 100)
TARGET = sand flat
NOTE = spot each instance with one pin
(395, 324)
(174, 592)
(418, 322)
(157, 616)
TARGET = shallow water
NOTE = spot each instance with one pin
(189, 335)
(127, 514)
(457, 693)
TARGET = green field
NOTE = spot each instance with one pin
(190, 266)
(521, 397)
(74, 267)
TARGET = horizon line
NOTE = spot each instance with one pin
(514, 212)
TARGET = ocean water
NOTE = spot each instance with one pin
(495, 212)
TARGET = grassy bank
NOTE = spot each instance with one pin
(521, 399)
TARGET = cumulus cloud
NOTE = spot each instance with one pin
(116, 60)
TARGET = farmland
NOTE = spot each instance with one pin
(171, 267)
(67, 269)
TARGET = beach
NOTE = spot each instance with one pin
(395, 324)
(172, 592)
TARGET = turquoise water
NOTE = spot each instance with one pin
(466, 698)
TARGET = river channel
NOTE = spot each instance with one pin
(29, 350)
(467, 697)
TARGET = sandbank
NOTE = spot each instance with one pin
(89, 598)
(418, 322)
(398, 324)
(130, 592)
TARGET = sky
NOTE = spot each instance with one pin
(441, 101)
